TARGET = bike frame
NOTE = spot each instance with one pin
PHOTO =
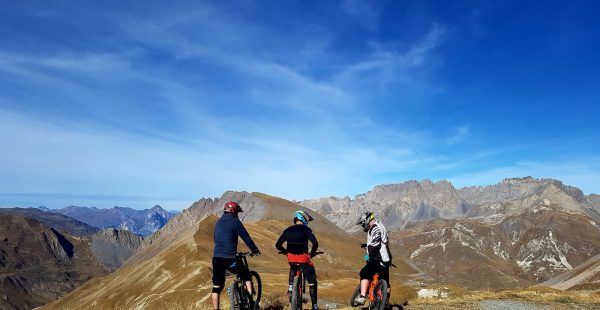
(240, 285)
(238, 279)
(372, 286)
(300, 274)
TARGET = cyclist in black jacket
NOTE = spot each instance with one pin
(297, 237)
(227, 231)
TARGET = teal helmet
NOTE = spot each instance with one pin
(303, 217)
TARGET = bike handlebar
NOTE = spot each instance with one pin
(242, 254)
(316, 253)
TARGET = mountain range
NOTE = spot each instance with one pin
(520, 232)
(141, 222)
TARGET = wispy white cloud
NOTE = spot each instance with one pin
(460, 135)
(386, 64)
(46, 158)
(76, 63)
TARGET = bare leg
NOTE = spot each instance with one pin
(364, 285)
(249, 287)
(215, 300)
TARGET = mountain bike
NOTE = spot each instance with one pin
(298, 285)
(239, 297)
(377, 294)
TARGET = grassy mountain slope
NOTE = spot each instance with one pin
(179, 275)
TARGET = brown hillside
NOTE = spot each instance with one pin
(39, 264)
(585, 277)
(179, 276)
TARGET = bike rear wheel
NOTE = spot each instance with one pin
(380, 302)
(296, 300)
(354, 295)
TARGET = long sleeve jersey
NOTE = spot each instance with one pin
(377, 243)
(227, 231)
(297, 237)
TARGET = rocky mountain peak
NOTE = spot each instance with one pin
(158, 209)
(113, 247)
(423, 200)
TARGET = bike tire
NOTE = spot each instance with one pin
(256, 287)
(296, 301)
(354, 295)
(234, 296)
(380, 291)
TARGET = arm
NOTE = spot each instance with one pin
(280, 241)
(315, 243)
(246, 237)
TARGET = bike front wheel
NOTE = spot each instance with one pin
(354, 296)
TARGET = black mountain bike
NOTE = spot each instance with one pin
(239, 297)
(298, 286)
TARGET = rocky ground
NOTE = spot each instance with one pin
(505, 305)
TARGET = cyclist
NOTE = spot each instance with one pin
(297, 237)
(227, 231)
(379, 255)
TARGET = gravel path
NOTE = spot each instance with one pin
(519, 305)
(510, 305)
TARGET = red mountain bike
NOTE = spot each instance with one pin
(377, 295)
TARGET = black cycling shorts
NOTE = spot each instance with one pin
(309, 273)
(221, 265)
(372, 267)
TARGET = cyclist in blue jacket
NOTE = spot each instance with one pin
(227, 231)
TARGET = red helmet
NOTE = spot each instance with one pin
(232, 207)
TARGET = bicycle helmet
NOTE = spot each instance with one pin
(232, 207)
(303, 217)
(365, 219)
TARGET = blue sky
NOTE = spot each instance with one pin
(136, 103)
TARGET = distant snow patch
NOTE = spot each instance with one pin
(421, 248)
(526, 263)
(561, 256)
